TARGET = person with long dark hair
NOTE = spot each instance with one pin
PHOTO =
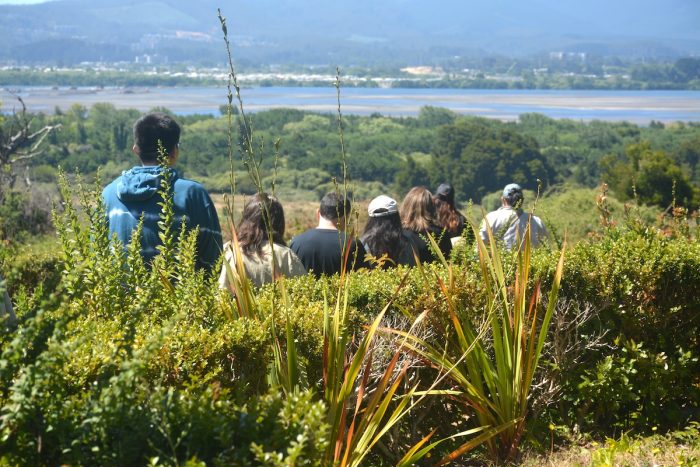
(383, 238)
(447, 215)
(261, 240)
(419, 220)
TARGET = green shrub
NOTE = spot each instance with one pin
(641, 284)
(44, 173)
(121, 364)
(635, 389)
(30, 265)
(126, 364)
(22, 216)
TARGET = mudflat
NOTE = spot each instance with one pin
(635, 106)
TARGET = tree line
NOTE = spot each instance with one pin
(656, 164)
(683, 73)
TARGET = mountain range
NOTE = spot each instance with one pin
(329, 32)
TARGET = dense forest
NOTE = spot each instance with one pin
(654, 165)
(477, 155)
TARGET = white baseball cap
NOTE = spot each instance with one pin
(382, 206)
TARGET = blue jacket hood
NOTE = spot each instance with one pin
(142, 183)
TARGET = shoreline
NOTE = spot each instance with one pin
(634, 106)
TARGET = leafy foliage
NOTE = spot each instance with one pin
(652, 177)
(122, 365)
(432, 148)
(640, 281)
(119, 364)
(126, 364)
(490, 357)
(480, 158)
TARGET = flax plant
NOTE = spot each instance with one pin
(359, 413)
(238, 283)
(357, 418)
(490, 365)
(285, 369)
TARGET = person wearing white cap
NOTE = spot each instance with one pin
(509, 222)
(383, 235)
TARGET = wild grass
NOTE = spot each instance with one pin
(680, 448)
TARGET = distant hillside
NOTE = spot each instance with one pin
(335, 32)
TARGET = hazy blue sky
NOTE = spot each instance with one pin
(21, 2)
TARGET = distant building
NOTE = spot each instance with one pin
(556, 55)
(561, 56)
(421, 70)
(193, 36)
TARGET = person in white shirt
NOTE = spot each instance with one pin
(509, 222)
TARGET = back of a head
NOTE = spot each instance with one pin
(334, 206)
(513, 195)
(447, 217)
(418, 210)
(382, 234)
(262, 215)
(446, 193)
(151, 129)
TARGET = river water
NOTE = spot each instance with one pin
(635, 106)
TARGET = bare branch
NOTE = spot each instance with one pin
(18, 143)
(565, 350)
(24, 157)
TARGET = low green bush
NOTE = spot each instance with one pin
(121, 364)
(641, 284)
(31, 264)
(22, 215)
(124, 365)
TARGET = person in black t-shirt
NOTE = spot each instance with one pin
(321, 249)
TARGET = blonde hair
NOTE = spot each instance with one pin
(418, 210)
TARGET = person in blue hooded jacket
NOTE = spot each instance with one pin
(135, 194)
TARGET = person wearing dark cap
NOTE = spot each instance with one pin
(321, 249)
(509, 222)
(383, 237)
(448, 217)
